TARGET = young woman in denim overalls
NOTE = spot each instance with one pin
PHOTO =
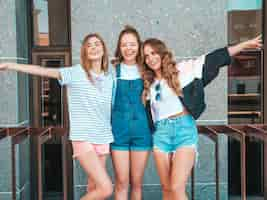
(132, 136)
(175, 137)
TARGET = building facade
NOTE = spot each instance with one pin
(49, 33)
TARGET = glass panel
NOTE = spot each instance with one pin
(234, 170)
(22, 155)
(244, 20)
(244, 4)
(255, 168)
(244, 88)
(50, 22)
(51, 97)
(245, 91)
(58, 23)
(245, 107)
(53, 169)
(40, 22)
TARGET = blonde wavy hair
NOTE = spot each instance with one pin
(169, 70)
(86, 63)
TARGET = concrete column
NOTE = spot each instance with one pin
(14, 96)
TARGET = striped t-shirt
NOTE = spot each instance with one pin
(89, 105)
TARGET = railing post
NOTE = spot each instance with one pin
(265, 168)
(243, 168)
(17, 135)
(43, 135)
(67, 169)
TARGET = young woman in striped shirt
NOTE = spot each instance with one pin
(89, 90)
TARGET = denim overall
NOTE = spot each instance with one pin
(129, 119)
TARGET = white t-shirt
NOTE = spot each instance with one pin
(129, 72)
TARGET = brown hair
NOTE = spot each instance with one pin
(169, 70)
(85, 62)
(118, 55)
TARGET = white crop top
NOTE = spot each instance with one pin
(169, 104)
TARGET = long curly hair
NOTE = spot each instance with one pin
(169, 69)
(118, 55)
(85, 62)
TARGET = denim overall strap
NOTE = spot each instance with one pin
(118, 71)
(115, 77)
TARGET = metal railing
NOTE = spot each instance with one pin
(40, 136)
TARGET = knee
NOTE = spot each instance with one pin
(90, 185)
(122, 183)
(90, 188)
(106, 190)
(179, 188)
(137, 182)
(166, 187)
(136, 185)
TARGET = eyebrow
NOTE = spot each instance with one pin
(95, 42)
(128, 42)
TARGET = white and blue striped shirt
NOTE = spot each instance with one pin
(89, 105)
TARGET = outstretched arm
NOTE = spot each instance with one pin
(249, 44)
(32, 69)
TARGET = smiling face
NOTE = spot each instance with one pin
(95, 49)
(129, 48)
(152, 58)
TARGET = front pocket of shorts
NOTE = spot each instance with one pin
(188, 121)
(162, 130)
(188, 133)
(118, 123)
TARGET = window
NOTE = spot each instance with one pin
(245, 93)
(50, 23)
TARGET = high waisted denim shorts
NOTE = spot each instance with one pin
(174, 133)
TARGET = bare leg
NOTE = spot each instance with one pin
(138, 162)
(120, 160)
(91, 184)
(163, 164)
(92, 166)
(183, 163)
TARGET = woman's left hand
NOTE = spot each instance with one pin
(255, 43)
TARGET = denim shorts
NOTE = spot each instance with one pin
(172, 134)
(81, 147)
(131, 134)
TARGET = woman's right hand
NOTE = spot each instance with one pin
(3, 66)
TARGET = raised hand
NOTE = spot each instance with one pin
(255, 43)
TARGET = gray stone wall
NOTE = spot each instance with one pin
(5, 169)
(14, 96)
(13, 48)
(23, 53)
(190, 28)
(8, 53)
